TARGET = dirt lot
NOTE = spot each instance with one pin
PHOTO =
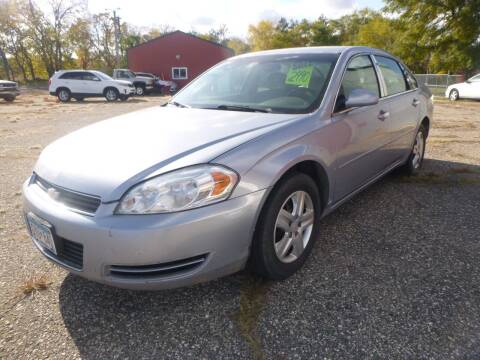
(395, 273)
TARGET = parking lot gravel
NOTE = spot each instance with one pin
(394, 273)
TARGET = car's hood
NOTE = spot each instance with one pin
(8, 83)
(108, 157)
(123, 82)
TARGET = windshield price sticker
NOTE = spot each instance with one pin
(299, 76)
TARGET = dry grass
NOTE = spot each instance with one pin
(252, 302)
(34, 284)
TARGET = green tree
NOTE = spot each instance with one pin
(238, 45)
(448, 31)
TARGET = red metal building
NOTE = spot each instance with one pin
(176, 56)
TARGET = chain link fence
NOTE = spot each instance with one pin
(438, 83)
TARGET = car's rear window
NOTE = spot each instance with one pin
(276, 83)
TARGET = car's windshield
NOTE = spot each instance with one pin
(102, 75)
(292, 83)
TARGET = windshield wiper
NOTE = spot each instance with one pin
(242, 108)
(177, 104)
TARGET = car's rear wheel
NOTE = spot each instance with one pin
(415, 160)
(9, 98)
(111, 94)
(139, 90)
(64, 95)
(454, 95)
(287, 228)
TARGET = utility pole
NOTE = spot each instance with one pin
(118, 35)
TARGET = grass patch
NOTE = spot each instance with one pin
(35, 284)
(449, 177)
(252, 301)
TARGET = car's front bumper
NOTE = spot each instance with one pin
(221, 233)
(128, 91)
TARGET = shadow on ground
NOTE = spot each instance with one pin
(394, 274)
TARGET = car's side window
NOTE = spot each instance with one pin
(411, 81)
(70, 76)
(392, 75)
(475, 78)
(90, 77)
(359, 74)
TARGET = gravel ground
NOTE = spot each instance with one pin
(394, 273)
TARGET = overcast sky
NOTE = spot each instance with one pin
(201, 16)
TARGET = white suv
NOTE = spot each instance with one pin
(81, 84)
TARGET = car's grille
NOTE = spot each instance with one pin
(8, 86)
(158, 270)
(69, 253)
(84, 203)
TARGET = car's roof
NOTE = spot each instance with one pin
(78, 70)
(318, 50)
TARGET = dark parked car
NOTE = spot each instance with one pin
(8, 90)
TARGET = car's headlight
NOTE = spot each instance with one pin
(182, 189)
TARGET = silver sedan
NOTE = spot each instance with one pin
(236, 170)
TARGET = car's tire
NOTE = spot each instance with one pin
(79, 99)
(139, 90)
(111, 94)
(64, 95)
(123, 97)
(9, 98)
(454, 95)
(281, 243)
(415, 159)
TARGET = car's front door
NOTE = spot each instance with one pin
(91, 84)
(360, 132)
(402, 98)
(471, 89)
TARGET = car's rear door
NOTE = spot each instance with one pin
(360, 132)
(402, 97)
(72, 81)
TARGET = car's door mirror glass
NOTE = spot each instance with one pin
(361, 97)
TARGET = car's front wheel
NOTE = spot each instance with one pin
(139, 90)
(287, 228)
(454, 95)
(123, 97)
(9, 98)
(111, 94)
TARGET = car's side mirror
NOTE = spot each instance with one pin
(468, 82)
(360, 97)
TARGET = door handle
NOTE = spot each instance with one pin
(383, 115)
(415, 102)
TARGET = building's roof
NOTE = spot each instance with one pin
(182, 33)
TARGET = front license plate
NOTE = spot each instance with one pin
(41, 232)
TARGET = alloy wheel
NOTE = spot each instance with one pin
(111, 95)
(418, 150)
(139, 90)
(293, 227)
(454, 95)
(63, 95)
